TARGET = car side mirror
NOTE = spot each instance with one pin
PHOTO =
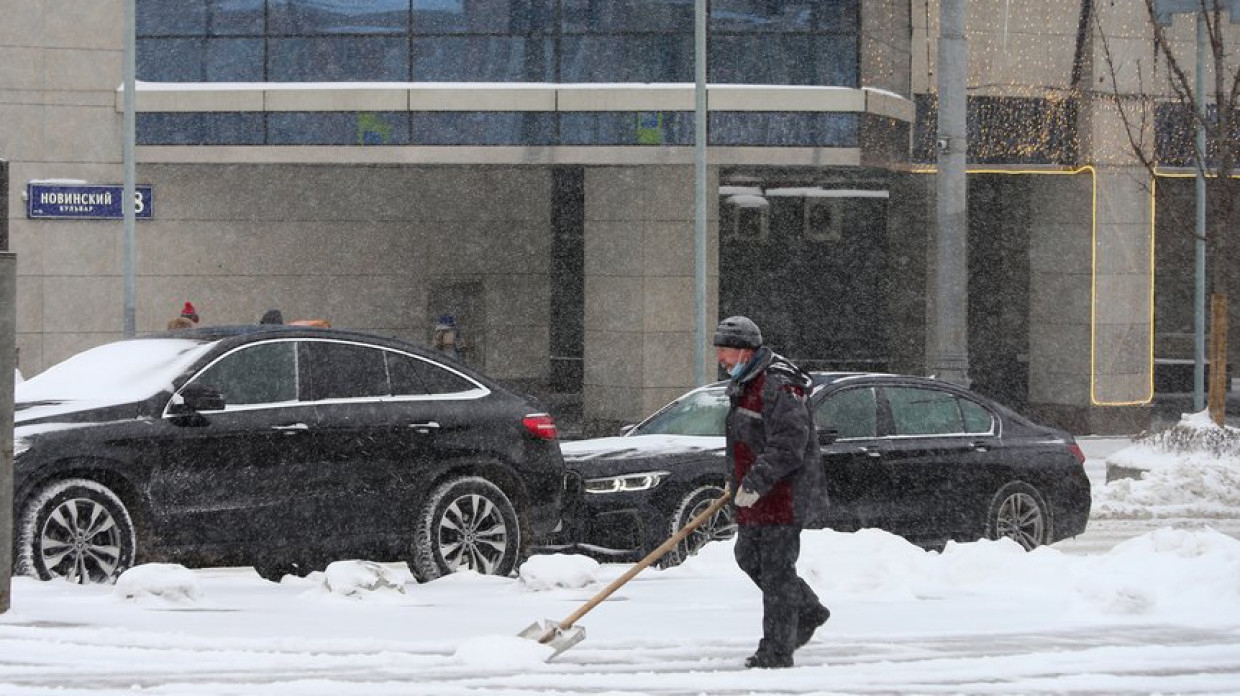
(827, 436)
(195, 397)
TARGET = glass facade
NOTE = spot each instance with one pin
(533, 128)
(775, 42)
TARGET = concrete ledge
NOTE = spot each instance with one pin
(490, 96)
(499, 154)
(335, 100)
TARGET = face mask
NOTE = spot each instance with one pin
(738, 368)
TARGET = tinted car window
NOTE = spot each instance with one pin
(403, 371)
(345, 371)
(850, 412)
(976, 418)
(699, 413)
(923, 411)
(257, 374)
(437, 380)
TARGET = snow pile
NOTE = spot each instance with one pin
(1189, 470)
(502, 652)
(359, 578)
(550, 572)
(1165, 572)
(871, 562)
(1168, 571)
(159, 583)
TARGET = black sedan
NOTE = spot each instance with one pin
(279, 447)
(921, 458)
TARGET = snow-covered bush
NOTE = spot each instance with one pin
(1194, 433)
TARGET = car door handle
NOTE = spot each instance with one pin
(291, 428)
(426, 427)
(980, 446)
(871, 452)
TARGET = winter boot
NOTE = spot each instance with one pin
(809, 621)
(767, 660)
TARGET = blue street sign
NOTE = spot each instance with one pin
(86, 201)
(1164, 9)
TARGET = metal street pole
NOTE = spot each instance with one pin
(4, 205)
(948, 332)
(127, 155)
(699, 202)
(1199, 293)
(8, 315)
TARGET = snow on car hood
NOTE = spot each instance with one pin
(114, 373)
(636, 446)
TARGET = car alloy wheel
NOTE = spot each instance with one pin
(467, 524)
(78, 530)
(720, 526)
(1018, 513)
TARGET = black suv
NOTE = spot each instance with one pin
(278, 447)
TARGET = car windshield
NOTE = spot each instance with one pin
(697, 413)
(118, 373)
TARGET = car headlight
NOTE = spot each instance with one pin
(627, 483)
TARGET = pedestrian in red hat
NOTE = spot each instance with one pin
(189, 312)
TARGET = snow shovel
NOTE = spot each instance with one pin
(562, 635)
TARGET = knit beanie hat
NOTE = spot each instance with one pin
(189, 312)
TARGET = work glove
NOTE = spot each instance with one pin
(745, 497)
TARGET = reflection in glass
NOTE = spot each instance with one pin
(483, 59)
(787, 16)
(617, 16)
(698, 413)
(200, 60)
(851, 413)
(338, 59)
(650, 58)
(801, 129)
(784, 60)
(199, 128)
(199, 18)
(338, 128)
(627, 128)
(306, 17)
(483, 128)
(483, 16)
(264, 373)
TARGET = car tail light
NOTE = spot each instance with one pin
(541, 425)
(1075, 449)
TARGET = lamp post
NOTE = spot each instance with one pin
(699, 199)
(948, 330)
(127, 156)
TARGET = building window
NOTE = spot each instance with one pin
(793, 42)
(791, 129)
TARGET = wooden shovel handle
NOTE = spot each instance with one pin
(651, 557)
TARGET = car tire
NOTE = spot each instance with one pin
(1017, 511)
(466, 523)
(78, 530)
(721, 525)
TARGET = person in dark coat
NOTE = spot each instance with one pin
(780, 484)
(272, 316)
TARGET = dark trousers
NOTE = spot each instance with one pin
(768, 553)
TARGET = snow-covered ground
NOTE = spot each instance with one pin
(1107, 613)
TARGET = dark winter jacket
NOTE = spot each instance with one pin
(772, 443)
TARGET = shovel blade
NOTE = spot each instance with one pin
(550, 633)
